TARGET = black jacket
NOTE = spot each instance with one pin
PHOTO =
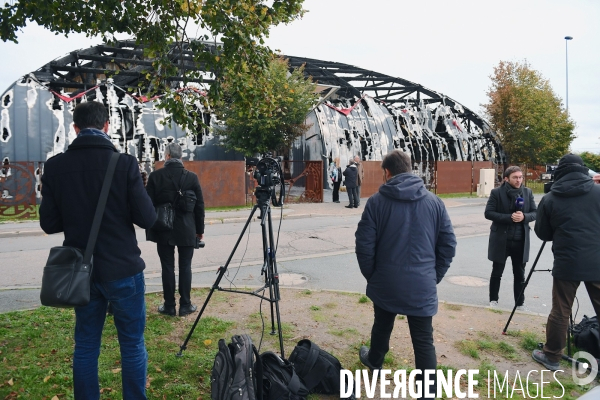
(162, 188)
(71, 185)
(404, 246)
(498, 210)
(569, 216)
(351, 176)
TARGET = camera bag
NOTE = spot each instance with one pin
(279, 379)
(185, 200)
(319, 369)
(586, 335)
(68, 271)
(233, 374)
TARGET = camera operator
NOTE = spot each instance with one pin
(569, 216)
(511, 208)
(188, 227)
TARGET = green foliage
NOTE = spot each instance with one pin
(527, 115)
(264, 109)
(591, 160)
(160, 28)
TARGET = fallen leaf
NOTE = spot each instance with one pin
(10, 382)
(46, 379)
(158, 369)
(116, 370)
(207, 342)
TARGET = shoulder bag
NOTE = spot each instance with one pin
(68, 271)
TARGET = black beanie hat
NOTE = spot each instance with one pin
(570, 159)
(569, 163)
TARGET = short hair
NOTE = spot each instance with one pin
(90, 114)
(174, 150)
(397, 162)
(511, 170)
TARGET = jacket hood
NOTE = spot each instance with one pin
(572, 184)
(405, 187)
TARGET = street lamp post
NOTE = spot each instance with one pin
(567, 38)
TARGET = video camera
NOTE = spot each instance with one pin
(269, 174)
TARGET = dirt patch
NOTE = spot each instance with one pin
(465, 337)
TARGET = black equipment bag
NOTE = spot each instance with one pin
(68, 271)
(233, 374)
(165, 216)
(185, 200)
(319, 370)
(280, 381)
(586, 335)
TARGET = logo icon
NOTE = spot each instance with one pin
(584, 372)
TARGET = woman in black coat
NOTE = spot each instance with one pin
(162, 188)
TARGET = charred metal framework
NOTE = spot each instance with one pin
(362, 112)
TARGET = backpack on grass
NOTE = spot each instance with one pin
(319, 370)
(233, 374)
(586, 335)
(279, 380)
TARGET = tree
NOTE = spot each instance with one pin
(264, 110)
(160, 27)
(591, 160)
(527, 115)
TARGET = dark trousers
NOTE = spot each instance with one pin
(336, 191)
(514, 250)
(353, 196)
(166, 252)
(563, 295)
(421, 334)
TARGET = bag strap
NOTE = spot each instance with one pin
(179, 188)
(258, 373)
(312, 372)
(110, 172)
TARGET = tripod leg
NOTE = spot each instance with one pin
(222, 271)
(275, 281)
(524, 286)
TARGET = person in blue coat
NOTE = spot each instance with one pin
(404, 246)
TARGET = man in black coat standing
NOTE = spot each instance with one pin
(71, 186)
(351, 182)
(569, 216)
(511, 208)
(404, 246)
(163, 187)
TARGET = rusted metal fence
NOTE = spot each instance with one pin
(20, 190)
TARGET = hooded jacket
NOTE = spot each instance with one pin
(351, 173)
(404, 245)
(569, 216)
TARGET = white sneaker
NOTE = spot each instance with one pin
(522, 308)
(493, 304)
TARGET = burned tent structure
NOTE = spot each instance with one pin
(361, 112)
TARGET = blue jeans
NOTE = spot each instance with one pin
(129, 308)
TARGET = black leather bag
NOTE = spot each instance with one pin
(68, 271)
(165, 217)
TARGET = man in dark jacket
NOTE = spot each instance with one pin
(404, 246)
(569, 216)
(511, 208)
(163, 187)
(71, 186)
(351, 182)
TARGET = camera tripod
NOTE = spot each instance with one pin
(269, 268)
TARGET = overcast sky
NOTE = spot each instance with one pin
(447, 46)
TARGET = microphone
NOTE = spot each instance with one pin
(519, 202)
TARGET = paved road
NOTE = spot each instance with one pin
(316, 251)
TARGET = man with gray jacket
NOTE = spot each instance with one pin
(404, 246)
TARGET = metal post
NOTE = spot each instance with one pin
(567, 38)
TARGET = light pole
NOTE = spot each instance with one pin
(567, 38)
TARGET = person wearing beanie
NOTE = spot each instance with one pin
(511, 208)
(569, 216)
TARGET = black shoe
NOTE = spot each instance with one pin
(336, 201)
(167, 310)
(349, 206)
(363, 355)
(355, 206)
(186, 310)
